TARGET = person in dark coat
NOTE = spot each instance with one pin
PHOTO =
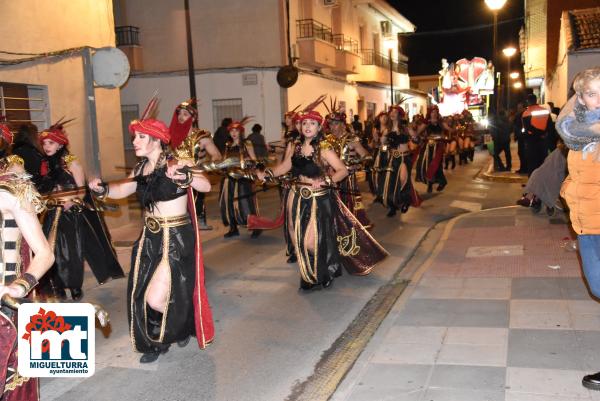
(520, 138)
(261, 149)
(222, 135)
(537, 125)
(25, 147)
(501, 136)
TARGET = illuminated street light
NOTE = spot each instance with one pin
(509, 51)
(495, 5)
(518, 85)
(515, 75)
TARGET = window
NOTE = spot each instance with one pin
(22, 103)
(371, 110)
(129, 112)
(224, 108)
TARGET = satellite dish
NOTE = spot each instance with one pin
(287, 76)
(111, 67)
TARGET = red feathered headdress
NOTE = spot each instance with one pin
(149, 125)
(239, 125)
(56, 132)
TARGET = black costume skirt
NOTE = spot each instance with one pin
(394, 194)
(289, 246)
(237, 201)
(313, 210)
(352, 198)
(76, 235)
(174, 245)
(379, 166)
(429, 167)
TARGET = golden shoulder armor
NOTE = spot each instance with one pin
(22, 188)
(69, 159)
(325, 144)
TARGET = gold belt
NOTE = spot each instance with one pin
(155, 224)
(308, 192)
(399, 153)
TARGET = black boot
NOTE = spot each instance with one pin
(76, 294)
(304, 286)
(391, 212)
(453, 160)
(446, 162)
(154, 323)
(460, 157)
(471, 153)
(255, 233)
(202, 225)
(430, 187)
(592, 381)
(292, 258)
(233, 232)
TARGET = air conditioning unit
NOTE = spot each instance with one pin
(330, 3)
(386, 28)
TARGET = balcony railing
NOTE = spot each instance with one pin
(311, 29)
(372, 57)
(346, 43)
(128, 35)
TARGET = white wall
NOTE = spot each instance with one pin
(261, 101)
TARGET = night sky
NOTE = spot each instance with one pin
(425, 52)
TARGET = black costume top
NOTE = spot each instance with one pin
(307, 166)
(156, 186)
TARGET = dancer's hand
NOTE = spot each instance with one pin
(96, 185)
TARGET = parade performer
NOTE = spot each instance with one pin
(184, 126)
(75, 230)
(397, 190)
(313, 205)
(348, 148)
(381, 128)
(451, 140)
(429, 164)
(237, 198)
(167, 300)
(20, 235)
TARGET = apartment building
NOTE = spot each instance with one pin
(340, 47)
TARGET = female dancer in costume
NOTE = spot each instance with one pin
(167, 301)
(237, 198)
(451, 139)
(429, 164)
(75, 230)
(380, 158)
(325, 234)
(397, 186)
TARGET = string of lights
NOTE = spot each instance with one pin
(37, 56)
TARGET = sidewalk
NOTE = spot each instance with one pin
(498, 312)
(505, 176)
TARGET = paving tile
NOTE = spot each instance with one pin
(445, 394)
(360, 393)
(494, 251)
(495, 221)
(585, 322)
(574, 288)
(450, 312)
(485, 293)
(487, 283)
(421, 354)
(472, 194)
(541, 321)
(544, 349)
(474, 355)
(587, 344)
(510, 396)
(585, 307)
(441, 282)
(536, 288)
(539, 306)
(400, 377)
(476, 336)
(470, 206)
(483, 378)
(415, 335)
(437, 293)
(548, 382)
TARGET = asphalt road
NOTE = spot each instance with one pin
(269, 335)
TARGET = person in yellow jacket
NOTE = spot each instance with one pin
(579, 126)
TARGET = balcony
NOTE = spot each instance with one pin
(315, 44)
(375, 69)
(347, 58)
(128, 40)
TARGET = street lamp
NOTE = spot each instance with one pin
(495, 6)
(508, 52)
(389, 44)
(518, 85)
(514, 75)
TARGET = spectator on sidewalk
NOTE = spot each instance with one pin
(357, 126)
(536, 126)
(520, 138)
(261, 149)
(222, 135)
(543, 187)
(501, 135)
(579, 126)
